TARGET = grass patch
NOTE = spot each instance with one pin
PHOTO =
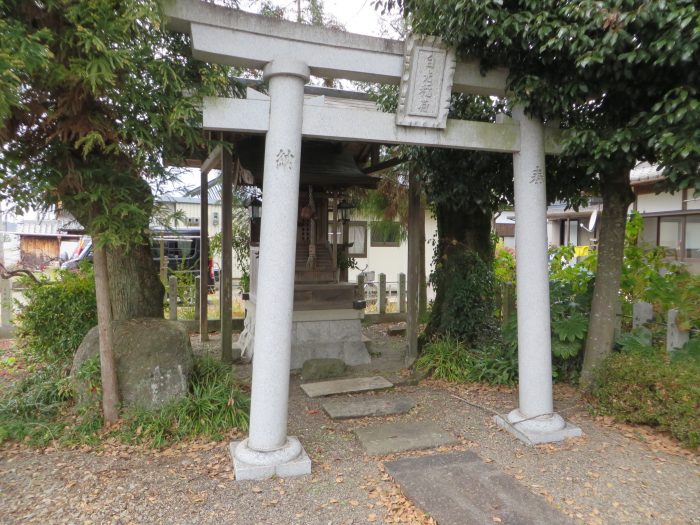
(452, 360)
(645, 386)
(44, 408)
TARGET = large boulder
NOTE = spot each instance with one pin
(153, 359)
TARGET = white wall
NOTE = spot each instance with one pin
(651, 203)
(394, 260)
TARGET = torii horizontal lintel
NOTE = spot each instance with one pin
(358, 125)
(233, 37)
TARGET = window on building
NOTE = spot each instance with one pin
(385, 234)
(692, 237)
(679, 234)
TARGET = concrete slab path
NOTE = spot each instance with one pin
(388, 438)
(458, 488)
(345, 386)
(367, 406)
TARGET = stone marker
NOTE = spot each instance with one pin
(322, 368)
(153, 359)
(458, 488)
(367, 407)
(345, 386)
(382, 439)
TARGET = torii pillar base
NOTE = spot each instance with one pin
(543, 429)
(291, 460)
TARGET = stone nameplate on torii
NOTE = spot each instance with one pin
(426, 83)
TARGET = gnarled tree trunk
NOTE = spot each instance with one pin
(463, 236)
(617, 196)
(134, 286)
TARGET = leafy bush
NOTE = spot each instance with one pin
(450, 359)
(644, 386)
(57, 314)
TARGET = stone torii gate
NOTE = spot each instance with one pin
(288, 53)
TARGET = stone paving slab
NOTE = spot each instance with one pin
(388, 438)
(458, 488)
(345, 386)
(367, 407)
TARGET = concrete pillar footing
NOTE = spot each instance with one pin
(289, 460)
(548, 428)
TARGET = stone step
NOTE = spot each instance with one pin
(367, 407)
(389, 438)
(458, 487)
(345, 386)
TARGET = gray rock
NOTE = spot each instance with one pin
(153, 359)
(322, 368)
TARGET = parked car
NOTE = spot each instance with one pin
(181, 248)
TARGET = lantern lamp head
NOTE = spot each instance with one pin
(344, 208)
(255, 206)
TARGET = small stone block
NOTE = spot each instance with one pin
(299, 466)
(345, 386)
(379, 440)
(397, 329)
(536, 438)
(367, 407)
(322, 368)
(458, 488)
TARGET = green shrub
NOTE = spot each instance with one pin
(452, 360)
(56, 315)
(643, 386)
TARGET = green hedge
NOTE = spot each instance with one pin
(57, 314)
(644, 387)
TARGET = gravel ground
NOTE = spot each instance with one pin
(614, 474)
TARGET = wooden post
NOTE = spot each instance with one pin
(382, 293)
(203, 288)
(402, 292)
(172, 297)
(163, 263)
(197, 301)
(414, 265)
(226, 256)
(108, 371)
(335, 239)
(5, 302)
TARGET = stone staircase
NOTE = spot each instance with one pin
(323, 271)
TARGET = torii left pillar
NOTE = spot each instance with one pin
(268, 451)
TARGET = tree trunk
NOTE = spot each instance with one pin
(617, 196)
(108, 371)
(464, 297)
(423, 286)
(134, 287)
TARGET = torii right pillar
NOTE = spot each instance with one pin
(534, 421)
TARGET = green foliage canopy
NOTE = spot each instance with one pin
(622, 76)
(94, 96)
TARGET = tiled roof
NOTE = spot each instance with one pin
(645, 172)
